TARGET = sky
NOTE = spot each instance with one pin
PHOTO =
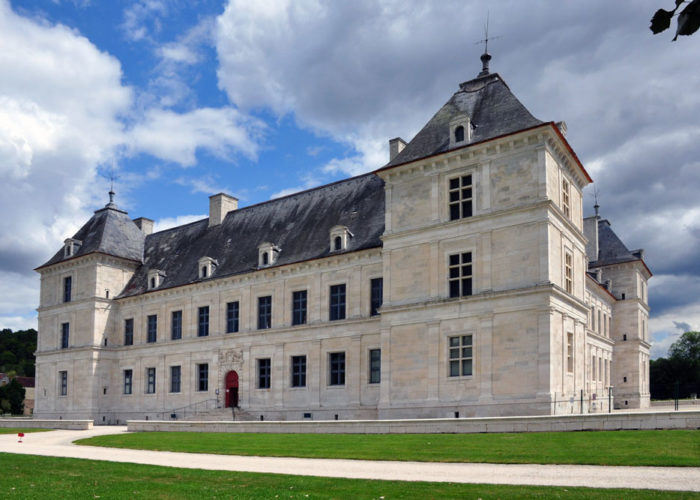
(177, 100)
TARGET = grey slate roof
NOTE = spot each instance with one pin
(109, 231)
(493, 111)
(611, 250)
(299, 224)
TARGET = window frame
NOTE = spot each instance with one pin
(67, 289)
(566, 197)
(568, 272)
(336, 368)
(299, 307)
(65, 335)
(456, 356)
(460, 274)
(176, 325)
(63, 383)
(233, 316)
(203, 321)
(264, 373)
(202, 377)
(150, 380)
(128, 378)
(570, 352)
(376, 295)
(152, 328)
(460, 197)
(375, 366)
(337, 302)
(129, 331)
(175, 379)
(298, 371)
(264, 312)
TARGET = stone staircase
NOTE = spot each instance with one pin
(222, 414)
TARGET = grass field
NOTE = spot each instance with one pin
(15, 430)
(27, 476)
(661, 448)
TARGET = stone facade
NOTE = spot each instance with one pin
(490, 305)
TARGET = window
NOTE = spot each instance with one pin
(459, 134)
(599, 325)
(376, 296)
(298, 371)
(339, 238)
(460, 355)
(264, 373)
(569, 272)
(265, 259)
(67, 286)
(337, 302)
(206, 266)
(175, 379)
(63, 379)
(460, 196)
(176, 325)
(203, 322)
(337, 243)
(336, 362)
(299, 307)
(565, 197)
(150, 380)
(232, 314)
(460, 274)
(203, 377)
(593, 365)
(570, 352)
(264, 312)
(128, 381)
(267, 254)
(129, 331)
(375, 366)
(65, 332)
(152, 328)
(153, 282)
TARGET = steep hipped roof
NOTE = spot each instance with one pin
(109, 231)
(611, 250)
(493, 111)
(298, 224)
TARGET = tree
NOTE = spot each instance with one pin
(679, 374)
(688, 19)
(12, 397)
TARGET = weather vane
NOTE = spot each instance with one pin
(486, 57)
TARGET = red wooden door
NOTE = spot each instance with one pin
(231, 389)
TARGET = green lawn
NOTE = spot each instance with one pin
(27, 476)
(15, 430)
(671, 448)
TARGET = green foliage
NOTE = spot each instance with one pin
(28, 476)
(659, 448)
(679, 374)
(17, 352)
(688, 19)
(12, 397)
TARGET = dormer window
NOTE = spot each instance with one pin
(267, 254)
(460, 130)
(206, 266)
(340, 238)
(155, 278)
(70, 247)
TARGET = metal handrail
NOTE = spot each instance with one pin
(194, 407)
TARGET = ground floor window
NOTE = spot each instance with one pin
(298, 371)
(375, 365)
(150, 380)
(203, 377)
(460, 356)
(128, 381)
(264, 369)
(175, 379)
(63, 378)
(336, 361)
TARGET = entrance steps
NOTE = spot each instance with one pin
(222, 414)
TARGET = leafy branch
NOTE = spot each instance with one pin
(688, 19)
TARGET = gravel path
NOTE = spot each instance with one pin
(59, 444)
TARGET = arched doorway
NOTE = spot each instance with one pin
(231, 389)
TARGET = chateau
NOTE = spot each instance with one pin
(459, 279)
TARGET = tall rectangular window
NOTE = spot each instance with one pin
(337, 302)
(565, 197)
(65, 334)
(129, 331)
(568, 272)
(232, 316)
(128, 381)
(152, 328)
(67, 288)
(264, 312)
(175, 379)
(203, 322)
(376, 296)
(375, 366)
(63, 380)
(264, 369)
(299, 307)
(460, 356)
(298, 371)
(570, 352)
(460, 274)
(336, 364)
(176, 325)
(460, 195)
(150, 380)
(203, 377)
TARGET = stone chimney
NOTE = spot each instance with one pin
(144, 224)
(396, 145)
(219, 205)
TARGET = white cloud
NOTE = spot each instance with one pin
(176, 137)
(142, 17)
(168, 222)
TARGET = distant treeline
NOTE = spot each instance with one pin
(678, 375)
(17, 352)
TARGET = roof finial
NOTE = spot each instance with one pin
(596, 206)
(111, 190)
(486, 57)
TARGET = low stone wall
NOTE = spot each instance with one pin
(30, 423)
(555, 423)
